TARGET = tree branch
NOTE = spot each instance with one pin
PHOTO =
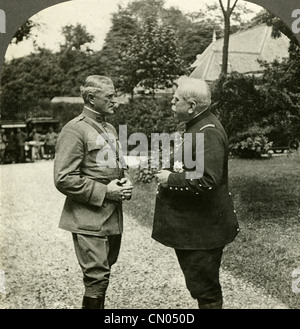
(233, 7)
(222, 7)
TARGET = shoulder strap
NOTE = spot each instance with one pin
(210, 125)
(104, 133)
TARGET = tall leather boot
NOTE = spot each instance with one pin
(93, 303)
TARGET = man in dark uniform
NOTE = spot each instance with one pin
(87, 171)
(195, 216)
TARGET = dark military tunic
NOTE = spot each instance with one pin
(198, 213)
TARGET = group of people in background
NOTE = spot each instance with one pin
(16, 146)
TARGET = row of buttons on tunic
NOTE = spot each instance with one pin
(234, 209)
(182, 189)
(187, 189)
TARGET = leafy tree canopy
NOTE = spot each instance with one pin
(76, 37)
(23, 32)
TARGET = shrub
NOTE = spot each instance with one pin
(251, 145)
(65, 112)
(145, 175)
(146, 115)
(236, 102)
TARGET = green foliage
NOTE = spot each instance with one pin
(23, 32)
(146, 115)
(251, 145)
(270, 103)
(169, 42)
(76, 37)
(280, 90)
(27, 81)
(146, 10)
(278, 26)
(195, 38)
(237, 102)
(146, 175)
(65, 112)
(187, 38)
(152, 59)
(75, 54)
(117, 40)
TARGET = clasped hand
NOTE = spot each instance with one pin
(119, 189)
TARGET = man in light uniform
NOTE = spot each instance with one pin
(94, 190)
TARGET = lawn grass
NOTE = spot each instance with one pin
(267, 199)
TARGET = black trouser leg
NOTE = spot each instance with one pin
(201, 272)
(93, 303)
(204, 305)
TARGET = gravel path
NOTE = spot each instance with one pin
(41, 270)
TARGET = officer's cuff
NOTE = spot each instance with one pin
(177, 180)
(98, 194)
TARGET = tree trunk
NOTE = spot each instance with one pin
(224, 69)
(227, 13)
